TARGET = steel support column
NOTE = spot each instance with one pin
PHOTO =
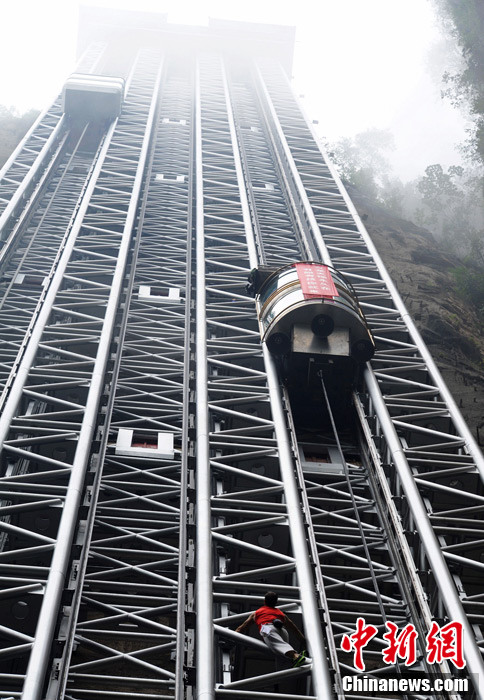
(205, 658)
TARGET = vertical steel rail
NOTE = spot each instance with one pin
(14, 386)
(204, 626)
(244, 201)
(289, 161)
(55, 584)
(20, 221)
(187, 383)
(320, 670)
(32, 176)
(436, 559)
(87, 63)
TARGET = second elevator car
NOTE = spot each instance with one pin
(88, 97)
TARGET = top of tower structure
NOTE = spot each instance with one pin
(129, 29)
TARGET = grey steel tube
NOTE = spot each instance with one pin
(318, 239)
(13, 156)
(267, 678)
(434, 554)
(44, 307)
(245, 639)
(244, 201)
(55, 583)
(320, 670)
(204, 626)
(31, 176)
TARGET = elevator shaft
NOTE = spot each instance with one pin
(162, 468)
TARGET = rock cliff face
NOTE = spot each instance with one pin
(449, 326)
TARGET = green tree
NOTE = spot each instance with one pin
(470, 285)
(361, 160)
(464, 20)
(13, 127)
(439, 188)
(449, 202)
(452, 207)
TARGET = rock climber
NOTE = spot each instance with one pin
(273, 628)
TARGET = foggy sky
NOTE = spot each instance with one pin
(359, 64)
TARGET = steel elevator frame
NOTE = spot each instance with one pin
(154, 481)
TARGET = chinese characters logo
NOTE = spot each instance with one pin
(441, 643)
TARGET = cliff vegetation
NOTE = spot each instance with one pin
(13, 126)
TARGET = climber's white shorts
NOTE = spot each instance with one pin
(276, 639)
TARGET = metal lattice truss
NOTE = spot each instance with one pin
(367, 584)
(49, 412)
(240, 488)
(28, 264)
(373, 586)
(154, 484)
(430, 457)
(131, 620)
(21, 176)
(276, 226)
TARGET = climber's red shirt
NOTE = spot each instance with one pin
(266, 614)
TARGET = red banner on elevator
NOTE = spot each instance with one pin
(316, 281)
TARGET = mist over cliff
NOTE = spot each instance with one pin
(450, 324)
